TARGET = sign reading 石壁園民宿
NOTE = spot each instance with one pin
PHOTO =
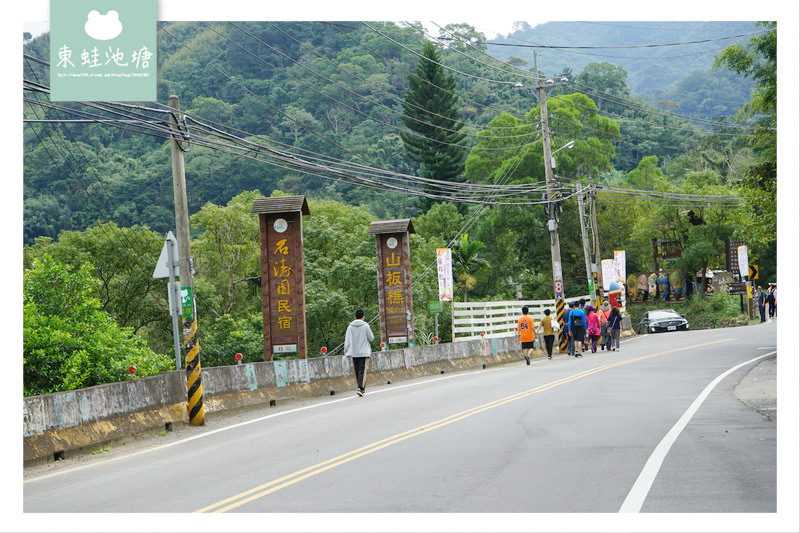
(103, 50)
(283, 300)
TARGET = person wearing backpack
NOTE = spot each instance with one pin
(577, 328)
(593, 327)
(605, 310)
(566, 332)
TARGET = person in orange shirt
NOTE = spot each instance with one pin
(526, 334)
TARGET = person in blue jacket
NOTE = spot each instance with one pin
(565, 331)
(576, 323)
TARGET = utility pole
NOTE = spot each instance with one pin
(191, 345)
(598, 287)
(585, 238)
(552, 206)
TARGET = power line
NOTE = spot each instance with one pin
(630, 46)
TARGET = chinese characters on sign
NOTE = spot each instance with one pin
(732, 256)
(394, 280)
(282, 278)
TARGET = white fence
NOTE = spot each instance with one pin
(496, 319)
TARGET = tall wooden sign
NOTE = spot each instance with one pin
(394, 280)
(283, 299)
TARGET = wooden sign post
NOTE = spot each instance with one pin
(283, 301)
(394, 280)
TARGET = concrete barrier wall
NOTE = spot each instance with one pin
(67, 423)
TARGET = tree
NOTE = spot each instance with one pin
(467, 262)
(430, 112)
(123, 260)
(69, 342)
(758, 60)
(606, 79)
(227, 254)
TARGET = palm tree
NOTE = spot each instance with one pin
(467, 262)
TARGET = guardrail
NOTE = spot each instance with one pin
(496, 319)
(65, 423)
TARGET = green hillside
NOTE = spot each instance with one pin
(658, 56)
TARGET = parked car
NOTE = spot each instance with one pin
(662, 320)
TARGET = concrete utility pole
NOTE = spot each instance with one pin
(585, 238)
(194, 384)
(552, 206)
(598, 287)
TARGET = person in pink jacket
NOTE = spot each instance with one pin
(592, 326)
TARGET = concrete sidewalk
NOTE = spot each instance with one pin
(759, 388)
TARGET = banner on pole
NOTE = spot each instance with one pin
(607, 267)
(741, 253)
(619, 266)
(444, 266)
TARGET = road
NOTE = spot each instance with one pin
(653, 428)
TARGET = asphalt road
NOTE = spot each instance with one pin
(654, 428)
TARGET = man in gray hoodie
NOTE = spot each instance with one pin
(357, 341)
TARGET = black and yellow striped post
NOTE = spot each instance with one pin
(561, 311)
(191, 346)
(194, 382)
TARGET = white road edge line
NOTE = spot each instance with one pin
(240, 424)
(641, 488)
(261, 419)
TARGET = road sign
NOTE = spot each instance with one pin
(753, 272)
(559, 287)
(731, 256)
(435, 307)
(737, 288)
(162, 266)
(187, 304)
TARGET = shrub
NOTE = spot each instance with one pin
(69, 342)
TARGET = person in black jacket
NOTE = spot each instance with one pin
(614, 328)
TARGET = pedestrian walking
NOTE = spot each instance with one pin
(549, 327)
(614, 328)
(761, 302)
(592, 327)
(568, 331)
(357, 345)
(577, 328)
(526, 334)
(582, 306)
(605, 310)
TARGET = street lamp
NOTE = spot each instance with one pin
(552, 155)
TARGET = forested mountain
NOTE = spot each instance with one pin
(658, 56)
(337, 89)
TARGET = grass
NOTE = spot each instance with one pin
(702, 312)
(102, 450)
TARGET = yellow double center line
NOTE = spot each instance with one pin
(281, 483)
